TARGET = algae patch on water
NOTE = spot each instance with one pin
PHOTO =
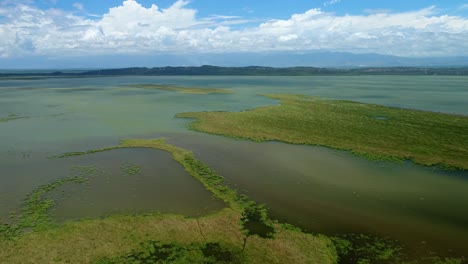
(372, 131)
(185, 90)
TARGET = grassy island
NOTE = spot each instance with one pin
(179, 89)
(372, 131)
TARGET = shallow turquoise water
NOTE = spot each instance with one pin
(316, 188)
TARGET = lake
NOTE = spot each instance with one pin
(319, 189)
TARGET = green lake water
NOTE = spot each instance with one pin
(318, 189)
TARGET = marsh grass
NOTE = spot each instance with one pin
(80, 153)
(367, 130)
(185, 90)
(159, 252)
(123, 237)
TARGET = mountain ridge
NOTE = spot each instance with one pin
(239, 59)
(248, 71)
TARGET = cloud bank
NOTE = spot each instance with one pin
(133, 29)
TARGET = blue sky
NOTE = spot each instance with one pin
(58, 29)
(274, 9)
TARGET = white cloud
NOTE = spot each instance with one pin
(131, 28)
(125, 21)
(288, 37)
(377, 11)
(78, 6)
(331, 2)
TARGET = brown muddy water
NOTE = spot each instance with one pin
(332, 192)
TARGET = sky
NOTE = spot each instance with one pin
(59, 29)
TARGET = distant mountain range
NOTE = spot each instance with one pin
(250, 70)
(270, 59)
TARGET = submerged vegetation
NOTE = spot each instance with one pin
(372, 131)
(35, 213)
(360, 248)
(130, 169)
(185, 90)
(10, 117)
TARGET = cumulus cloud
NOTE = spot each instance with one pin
(131, 28)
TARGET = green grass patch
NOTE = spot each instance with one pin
(368, 130)
(159, 252)
(160, 238)
(185, 90)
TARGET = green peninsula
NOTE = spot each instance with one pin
(372, 131)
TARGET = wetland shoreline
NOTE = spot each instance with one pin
(367, 130)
